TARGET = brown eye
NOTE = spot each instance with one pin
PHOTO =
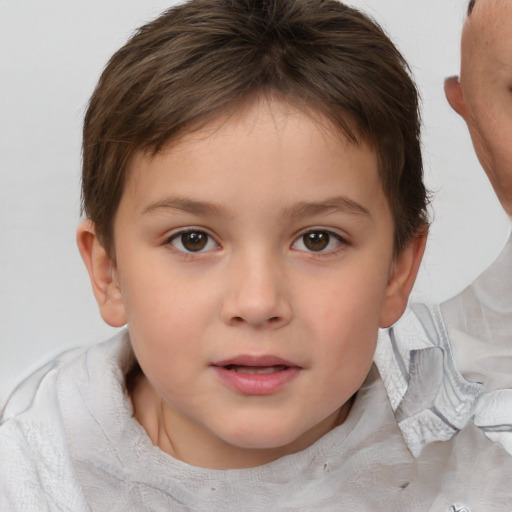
(316, 240)
(193, 241)
(320, 240)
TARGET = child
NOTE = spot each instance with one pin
(252, 185)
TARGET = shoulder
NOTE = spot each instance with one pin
(431, 398)
(24, 393)
(73, 363)
(483, 310)
(37, 432)
(479, 322)
(36, 465)
(36, 470)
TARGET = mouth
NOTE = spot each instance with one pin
(265, 364)
(256, 370)
(260, 375)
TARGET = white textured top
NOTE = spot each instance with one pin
(479, 321)
(428, 357)
(75, 446)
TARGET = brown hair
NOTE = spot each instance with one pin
(206, 56)
(470, 6)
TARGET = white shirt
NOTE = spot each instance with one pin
(431, 352)
(75, 446)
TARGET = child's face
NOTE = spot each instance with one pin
(254, 265)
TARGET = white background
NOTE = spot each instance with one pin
(51, 55)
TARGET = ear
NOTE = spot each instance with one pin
(454, 95)
(103, 275)
(401, 279)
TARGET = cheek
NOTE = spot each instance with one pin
(356, 295)
(500, 142)
(494, 151)
(343, 349)
(490, 125)
(164, 316)
(159, 293)
(346, 314)
(165, 335)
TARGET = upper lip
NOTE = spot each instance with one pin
(257, 361)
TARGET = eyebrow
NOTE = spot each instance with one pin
(332, 205)
(184, 204)
(302, 209)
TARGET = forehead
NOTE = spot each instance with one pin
(488, 31)
(265, 146)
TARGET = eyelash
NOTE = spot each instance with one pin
(317, 235)
(179, 237)
(329, 235)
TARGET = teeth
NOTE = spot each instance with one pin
(256, 370)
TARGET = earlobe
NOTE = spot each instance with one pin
(102, 273)
(454, 95)
(401, 280)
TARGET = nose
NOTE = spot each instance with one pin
(257, 293)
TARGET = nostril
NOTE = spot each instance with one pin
(272, 320)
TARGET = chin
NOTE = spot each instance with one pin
(268, 437)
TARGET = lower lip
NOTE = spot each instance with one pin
(257, 383)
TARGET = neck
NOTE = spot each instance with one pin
(189, 442)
